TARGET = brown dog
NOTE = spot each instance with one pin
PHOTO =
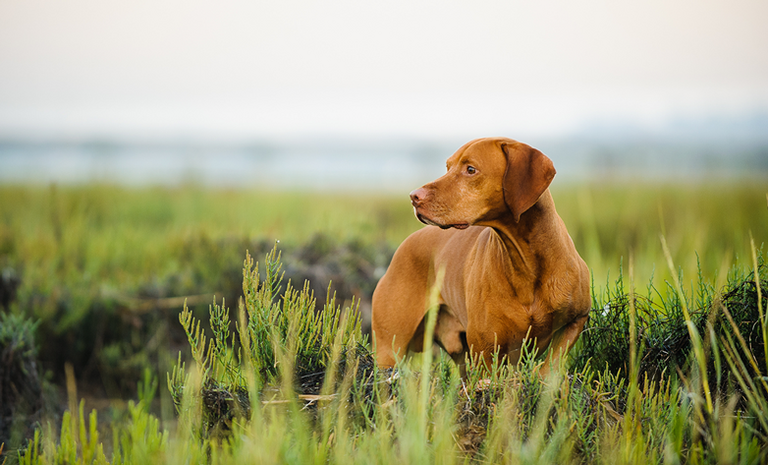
(511, 269)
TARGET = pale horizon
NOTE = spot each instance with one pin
(242, 71)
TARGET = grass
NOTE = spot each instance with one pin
(426, 413)
(661, 375)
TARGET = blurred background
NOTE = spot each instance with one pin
(347, 95)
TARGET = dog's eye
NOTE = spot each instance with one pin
(471, 170)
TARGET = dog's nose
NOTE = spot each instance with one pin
(417, 196)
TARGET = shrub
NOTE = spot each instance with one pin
(279, 338)
(21, 395)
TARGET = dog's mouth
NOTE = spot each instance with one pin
(427, 221)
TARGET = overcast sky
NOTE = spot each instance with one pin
(188, 68)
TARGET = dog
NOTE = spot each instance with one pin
(511, 270)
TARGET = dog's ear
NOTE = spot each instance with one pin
(529, 173)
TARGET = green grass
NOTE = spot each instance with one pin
(99, 267)
(242, 401)
(706, 225)
(102, 235)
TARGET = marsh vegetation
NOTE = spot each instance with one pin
(108, 300)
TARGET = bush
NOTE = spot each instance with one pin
(21, 395)
(280, 338)
(661, 330)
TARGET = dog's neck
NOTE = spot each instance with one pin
(523, 239)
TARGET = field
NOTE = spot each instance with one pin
(94, 279)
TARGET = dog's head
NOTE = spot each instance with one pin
(487, 180)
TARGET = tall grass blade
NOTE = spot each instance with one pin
(696, 342)
(763, 318)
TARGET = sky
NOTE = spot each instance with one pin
(302, 68)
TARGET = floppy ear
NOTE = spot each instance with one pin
(529, 173)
